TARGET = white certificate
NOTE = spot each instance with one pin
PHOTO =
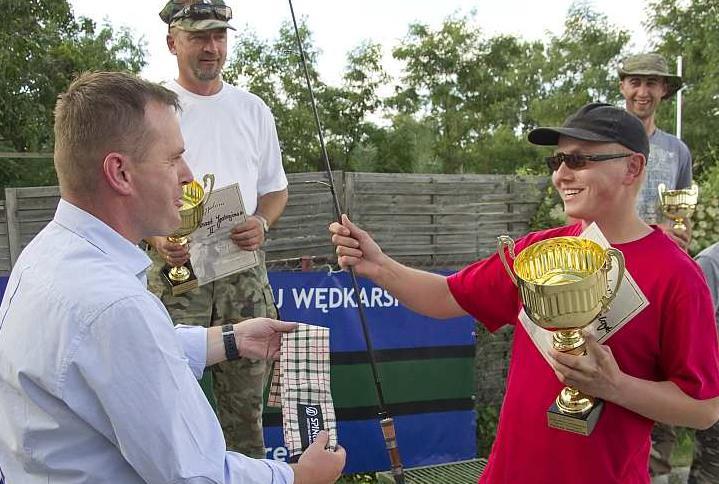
(212, 252)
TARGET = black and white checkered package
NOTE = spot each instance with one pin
(301, 386)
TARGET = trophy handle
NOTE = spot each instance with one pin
(208, 178)
(502, 241)
(661, 188)
(613, 253)
(694, 190)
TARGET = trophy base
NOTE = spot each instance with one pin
(582, 424)
(177, 288)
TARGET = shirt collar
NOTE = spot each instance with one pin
(103, 237)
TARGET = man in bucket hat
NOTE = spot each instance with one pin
(645, 81)
(230, 133)
(663, 365)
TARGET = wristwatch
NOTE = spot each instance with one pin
(265, 225)
(228, 337)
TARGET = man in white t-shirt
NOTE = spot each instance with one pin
(230, 133)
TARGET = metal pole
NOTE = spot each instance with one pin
(679, 100)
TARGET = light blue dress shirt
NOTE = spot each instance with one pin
(95, 384)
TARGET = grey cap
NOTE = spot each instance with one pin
(195, 23)
(598, 122)
(650, 65)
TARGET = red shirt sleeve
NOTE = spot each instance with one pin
(689, 347)
(485, 290)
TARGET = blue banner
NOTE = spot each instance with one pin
(426, 367)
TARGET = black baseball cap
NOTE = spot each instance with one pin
(598, 122)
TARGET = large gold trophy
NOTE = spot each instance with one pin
(678, 205)
(182, 279)
(563, 285)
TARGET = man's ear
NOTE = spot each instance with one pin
(170, 39)
(115, 169)
(635, 167)
(665, 87)
(621, 86)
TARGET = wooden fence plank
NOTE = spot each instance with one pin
(429, 219)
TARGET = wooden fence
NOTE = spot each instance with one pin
(440, 221)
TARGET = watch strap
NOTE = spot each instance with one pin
(228, 338)
(265, 224)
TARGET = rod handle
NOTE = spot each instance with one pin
(390, 442)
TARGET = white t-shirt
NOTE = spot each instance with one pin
(232, 135)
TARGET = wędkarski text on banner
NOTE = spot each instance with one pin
(212, 253)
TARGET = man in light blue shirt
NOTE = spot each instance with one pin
(95, 384)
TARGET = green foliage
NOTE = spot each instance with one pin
(691, 30)
(437, 67)
(550, 212)
(705, 221)
(487, 420)
(579, 66)
(468, 90)
(44, 47)
(683, 452)
(462, 104)
(405, 147)
(274, 72)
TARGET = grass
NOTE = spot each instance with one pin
(684, 449)
(364, 478)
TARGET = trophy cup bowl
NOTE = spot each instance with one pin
(181, 279)
(678, 205)
(563, 285)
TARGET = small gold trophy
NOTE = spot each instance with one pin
(563, 285)
(678, 205)
(182, 279)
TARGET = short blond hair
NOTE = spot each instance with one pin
(101, 113)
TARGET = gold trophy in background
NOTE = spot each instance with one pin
(563, 285)
(678, 205)
(182, 279)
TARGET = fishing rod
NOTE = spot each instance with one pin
(386, 421)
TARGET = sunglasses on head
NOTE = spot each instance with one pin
(203, 11)
(576, 161)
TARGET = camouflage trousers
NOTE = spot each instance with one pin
(235, 386)
(705, 467)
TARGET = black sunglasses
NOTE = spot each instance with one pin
(576, 161)
(202, 11)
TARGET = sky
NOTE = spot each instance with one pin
(339, 25)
